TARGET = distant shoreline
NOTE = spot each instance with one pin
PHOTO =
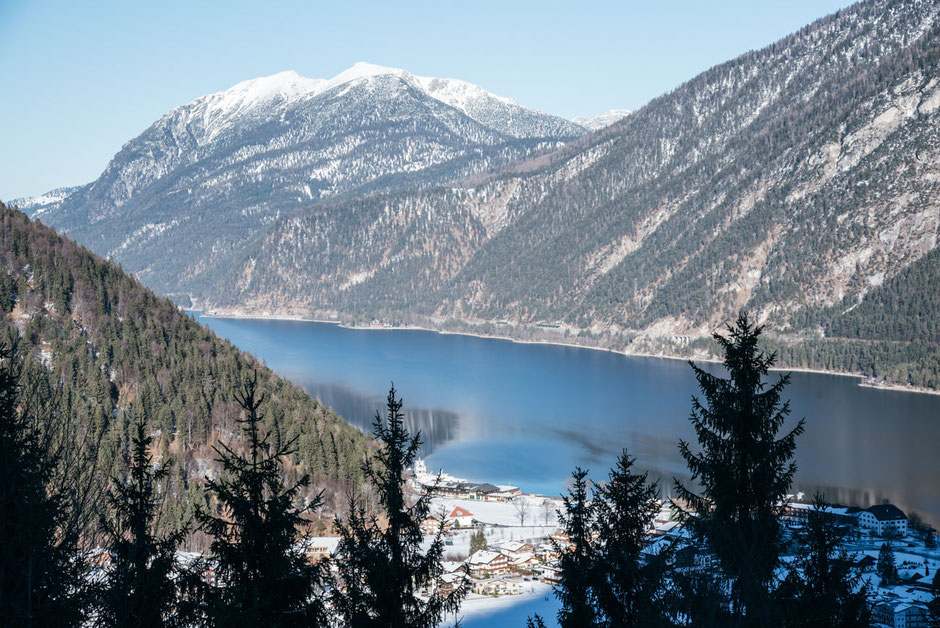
(306, 319)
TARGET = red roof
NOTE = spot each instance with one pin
(460, 512)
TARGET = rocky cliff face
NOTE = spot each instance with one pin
(789, 180)
(799, 181)
(180, 200)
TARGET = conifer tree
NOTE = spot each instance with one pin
(822, 588)
(631, 590)
(933, 606)
(263, 577)
(140, 588)
(477, 542)
(45, 502)
(381, 565)
(744, 471)
(535, 621)
(885, 567)
(577, 558)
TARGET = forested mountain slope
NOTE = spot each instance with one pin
(178, 201)
(792, 181)
(118, 352)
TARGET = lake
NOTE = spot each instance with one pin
(526, 414)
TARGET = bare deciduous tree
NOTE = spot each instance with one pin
(521, 505)
(547, 511)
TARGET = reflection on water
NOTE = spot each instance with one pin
(521, 414)
(436, 426)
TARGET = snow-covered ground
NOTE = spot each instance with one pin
(508, 610)
(500, 522)
(502, 513)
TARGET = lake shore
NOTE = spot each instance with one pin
(238, 314)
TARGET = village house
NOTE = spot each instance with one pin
(900, 614)
(546, 551)
(524, 564)
(516, 548)
(550, 575)
(466, 490)
(450, 582)
(432, 524)
(796, 514)
(452, 566)
(496, 587)
(504, 493)
(317, 548)
(487, 564)
(460, 518)
(561, 538)
(884, 520)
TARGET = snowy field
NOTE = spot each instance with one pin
(500, 522)
(510, 610)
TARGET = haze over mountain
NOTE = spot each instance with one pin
(208, 176)
(799, 181)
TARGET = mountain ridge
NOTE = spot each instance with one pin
(207, 177)
(114, 353)
(786, 181)
(791, 181)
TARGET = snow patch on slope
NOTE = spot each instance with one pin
(601, 120)
(269, 94)
(38, 205)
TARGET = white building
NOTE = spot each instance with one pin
(460, 517)
(317, 548)
(884, 519)
(497, 587)
(514, 549)
(900, 614)
(486, 564)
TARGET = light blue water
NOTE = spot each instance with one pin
(497, 411)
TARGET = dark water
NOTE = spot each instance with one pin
(507, 413)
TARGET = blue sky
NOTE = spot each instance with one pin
(81, 78)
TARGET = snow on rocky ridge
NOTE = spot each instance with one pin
(285, 88)
(601, 120)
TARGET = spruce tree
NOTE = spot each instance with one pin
(577, 558)
(381, 565)
(744, 471)
(140, 587)
(477, 542)
(933, 606)
(885, 567)
(822, 587)
(263, 577)
(45, 502)
(631, 589)
(535, 621)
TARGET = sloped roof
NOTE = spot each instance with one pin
(483, 557)
(886, 512)
(460, 512)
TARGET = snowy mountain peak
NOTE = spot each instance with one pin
(286, 86)
(453, 92)
(268, 96)
(362, 69)
(601, 120)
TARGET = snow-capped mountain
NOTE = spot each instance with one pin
(38, 205)
(601, 120)
(206, 177)
(800, 181)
